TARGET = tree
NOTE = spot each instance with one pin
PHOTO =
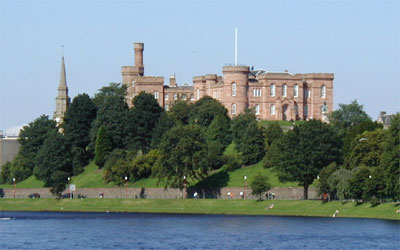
(220, 130)
(113, 114)
(272, 133)
(375, 185)
(103, 147)
(347, 116)
(77, 125)
(53, 156)
(58, 182)
(31, 139)
(145, 114)
(259, 185)
(180, 112)
(164, 123)
(143, 164)
(391, 159)
(302, 152)
(205, 110)
(239, 125)
(367, 125)
(252, 148)
(183, 152)
(366, 149)
(323, 184)
(357, 182)
(338, 183)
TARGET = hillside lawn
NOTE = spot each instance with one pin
(92, 177)
(206, 206)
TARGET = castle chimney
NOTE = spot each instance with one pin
(138, 47)
(172, 81)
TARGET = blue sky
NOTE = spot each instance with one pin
(358, 41)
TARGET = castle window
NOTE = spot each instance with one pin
(198, 94)
(166, 107)
(192, 97)
(284, 90)
(272, 109)
(296, 109)
(257, 92)
(234, 89)
(323, 91)
(272, 90)
(257, 109)
(183, 97)
(175, 96)
(234, 109)
(166, 97)
(156, 96)
(296, 90)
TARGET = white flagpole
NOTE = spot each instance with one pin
(235, 46)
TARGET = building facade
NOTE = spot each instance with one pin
(271, 95)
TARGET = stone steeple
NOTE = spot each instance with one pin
(62, 100)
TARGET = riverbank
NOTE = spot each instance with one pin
(206, 206)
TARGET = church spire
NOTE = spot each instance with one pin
(63, 77)
(62, 100)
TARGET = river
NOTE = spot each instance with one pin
(55, 230)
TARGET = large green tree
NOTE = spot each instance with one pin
(113, 114)
(220, 130)
(180, 112)
(391, 159)
(31, 139)
(205, 110)
(272, 133)
(144, 115)
(348, 116)
(366, 149)
(183, 153)
(77, 125)
(260, 185)
(53, 156)
(239, 125)
(302, 152)
(103, 147)
(252, 148)
(164, 123)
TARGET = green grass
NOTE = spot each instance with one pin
(207, 206)
(92, 177)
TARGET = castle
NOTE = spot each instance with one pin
(271, 95)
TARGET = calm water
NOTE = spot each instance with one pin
(50, 230)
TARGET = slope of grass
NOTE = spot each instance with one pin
(206, 206)
(92, 177)
(30, 182)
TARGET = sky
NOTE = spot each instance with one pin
(358, 41)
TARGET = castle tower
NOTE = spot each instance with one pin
(139, 47)
(62, 100)
(235, 89)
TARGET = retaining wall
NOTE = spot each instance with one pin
(161, 193)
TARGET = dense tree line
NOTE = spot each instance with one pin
(350, 157)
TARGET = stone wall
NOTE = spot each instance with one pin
(161, 193)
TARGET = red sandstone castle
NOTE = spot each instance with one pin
(272, 96)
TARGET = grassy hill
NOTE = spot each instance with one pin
(92, 177)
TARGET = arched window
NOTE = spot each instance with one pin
(323, 91)
(198, 94)
(233, 111)
(191, 97)
(296, 109)
(284, 90)
(175, 96)
(272, 90)
(166, 97)
(166, 107)
(156, 94)
(257, 109)
(234, 89)
(296, 90)
(183, 97)
(272, 109)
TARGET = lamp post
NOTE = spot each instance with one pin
(69, 187)
(126, 187)
(184, 186)
(14, 187)
(245, 180)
